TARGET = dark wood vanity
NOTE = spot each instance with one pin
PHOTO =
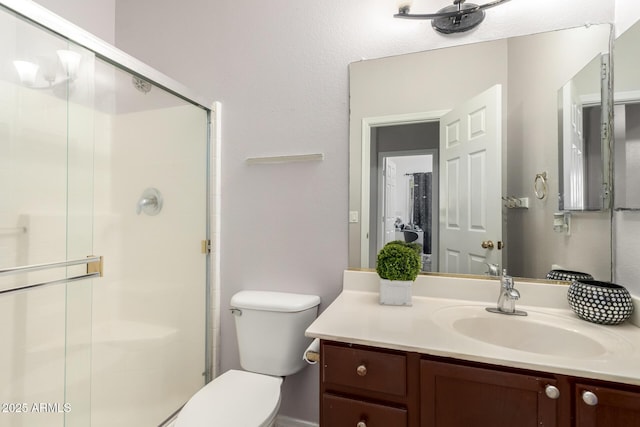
(364, 386)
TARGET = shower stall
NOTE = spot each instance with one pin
(107, 167)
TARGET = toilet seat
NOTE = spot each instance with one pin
(235, 398)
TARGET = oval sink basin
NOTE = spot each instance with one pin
(539, 333)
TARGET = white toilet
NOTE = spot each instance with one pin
(270, 329)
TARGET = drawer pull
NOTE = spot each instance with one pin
(552, 392)
(361, 424)
(590, 398)
(361, 371)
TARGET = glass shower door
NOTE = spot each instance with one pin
(46, 162)
(95, 159)
(149, 310)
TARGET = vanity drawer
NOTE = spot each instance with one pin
(342, 412)
(375, 371)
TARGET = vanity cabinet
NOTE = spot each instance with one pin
(371, 387)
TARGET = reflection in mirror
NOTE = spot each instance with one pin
(627, 158)
(627, 119)
(414, 94)
(584, 170)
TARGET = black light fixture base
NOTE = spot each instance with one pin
(458, 18)
(461, 22)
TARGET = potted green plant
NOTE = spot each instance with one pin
(398, 266)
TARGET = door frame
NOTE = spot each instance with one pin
(365, 196)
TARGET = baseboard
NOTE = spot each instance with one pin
(282, 421)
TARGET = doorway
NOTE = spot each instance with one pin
(408, 199)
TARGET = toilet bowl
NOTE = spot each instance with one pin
(270, 330)
(234, 399)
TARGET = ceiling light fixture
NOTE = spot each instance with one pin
(457, 18)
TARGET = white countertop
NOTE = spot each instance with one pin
(357, 317)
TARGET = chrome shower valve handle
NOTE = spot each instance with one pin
(150, 202)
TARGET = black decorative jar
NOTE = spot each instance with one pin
(600, 302)
(568, 275)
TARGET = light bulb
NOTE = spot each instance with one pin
(405, 5)
(70, 61)
(27, 71)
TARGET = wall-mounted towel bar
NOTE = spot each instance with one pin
(94, 269)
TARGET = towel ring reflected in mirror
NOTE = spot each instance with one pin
(540, 185)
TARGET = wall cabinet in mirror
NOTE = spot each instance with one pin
(584, 148)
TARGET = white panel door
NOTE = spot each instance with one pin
(389, 201)
(572, 148)
(471, 184)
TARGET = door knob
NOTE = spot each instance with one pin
(487, 244)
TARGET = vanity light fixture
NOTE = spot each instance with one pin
(50, 71)
(457, 18)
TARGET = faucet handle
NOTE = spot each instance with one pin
(150, 202)
(493, 269)
(506, 280)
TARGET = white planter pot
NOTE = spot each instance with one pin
(395, 292)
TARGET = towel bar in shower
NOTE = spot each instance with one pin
(94, 269)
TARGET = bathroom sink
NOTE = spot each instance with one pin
(540, 333)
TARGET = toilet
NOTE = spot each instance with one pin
(270, 330)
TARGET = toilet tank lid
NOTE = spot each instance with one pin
(274, 301)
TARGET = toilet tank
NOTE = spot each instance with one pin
(270, 330)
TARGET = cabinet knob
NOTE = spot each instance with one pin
(361, 424)
(552, 392)
(361, 371)
(590, 398)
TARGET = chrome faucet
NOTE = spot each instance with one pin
(493, 270)
(508, 297)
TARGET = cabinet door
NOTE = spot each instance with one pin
(461, 396)
(343, 412)
(606, 407)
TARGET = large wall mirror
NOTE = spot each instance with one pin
(492, 203)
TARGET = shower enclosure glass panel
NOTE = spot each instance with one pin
(46, 215)
(149, 312)
(81, 139)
